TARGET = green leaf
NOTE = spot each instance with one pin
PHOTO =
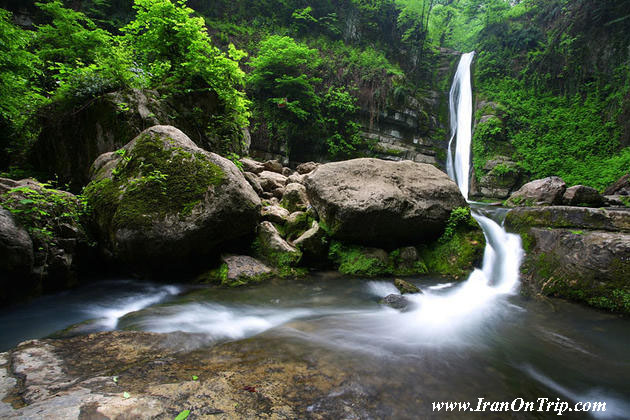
(195, 377)
(115, 379)
(183, 415)
(126, 395)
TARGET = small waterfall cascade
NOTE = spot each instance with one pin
(460, 106)
(503, 254)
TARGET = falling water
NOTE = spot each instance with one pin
(460, 105)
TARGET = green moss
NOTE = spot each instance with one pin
(151, 181)
(551, 278)
(352, 260)
(285, 263)
(455, 256)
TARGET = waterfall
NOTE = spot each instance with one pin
(460, 106)
(503, 253)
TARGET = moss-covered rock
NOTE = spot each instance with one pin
(274, 249)
(162, 202)
(43, 242)
(237, 270)
(580, 254)
(405, 287)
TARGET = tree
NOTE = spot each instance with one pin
(177, 52)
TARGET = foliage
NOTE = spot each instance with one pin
(19, 94)
(81, 60)
(175, 50)
(41, 211)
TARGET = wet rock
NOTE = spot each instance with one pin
(271, 181)
(405, 287)
(275, 214)
(156, 370)
(307, 167)
(295, 197)
(581, 195)
(542, 192)
(251, 165)
(395, 301)
(371, 201)
(620, 187)
(167, 204)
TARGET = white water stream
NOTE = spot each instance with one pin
(460, 106)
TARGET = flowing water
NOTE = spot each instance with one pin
(455, 342)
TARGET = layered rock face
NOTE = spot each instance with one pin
(161, 200)
(577, 253)
(376, 202)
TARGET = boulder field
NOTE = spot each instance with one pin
(160, 204)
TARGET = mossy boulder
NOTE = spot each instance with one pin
(237, 270)
(274, 249)
(43, 243)
(405, 287)
(161, 201)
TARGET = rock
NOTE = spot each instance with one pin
(44, 227)
(307, 167)
(314, 245)
(16, 252)
(503, 176)
(275, 214)
(74, 382)
(588, 266)
(273, 166)
(576, 253)
(167, 204)
(71, 141)
(287, 172)
(253, 181)
(278, 193)
(405, 287)
(617, 200)
(242, 269)
(295, 197)
(271, 180)
(275, 249)
(613, 220)
(542, 192)
(395, 301)
(297, 223)
(581, 195)
(620, 187)
(251, 165)
(371, 201)
(295, 179)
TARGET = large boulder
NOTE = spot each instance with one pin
(541, 192)
(372, 201)
(16, 249)
(161, 201)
